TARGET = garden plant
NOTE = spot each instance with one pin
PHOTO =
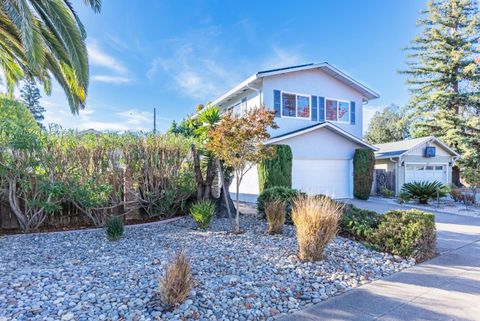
(316, 220)
(202, 213)
(275, 214)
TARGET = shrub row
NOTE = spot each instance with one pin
(44, 172)
(408, 233)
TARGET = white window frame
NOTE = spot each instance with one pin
(296, 106)
(337, 100)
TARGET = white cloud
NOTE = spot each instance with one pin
(202, 67)
(283, 58)
(117, 72)
(110, 79)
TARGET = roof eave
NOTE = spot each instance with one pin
(325, 124)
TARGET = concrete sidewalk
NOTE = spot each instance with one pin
(444, 288)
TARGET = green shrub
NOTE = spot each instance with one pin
(387, 193)
(359, 224)
(114, 228)
(278, 193)
(404, 198)
(276, 171)
(202, 213)
(363, 166)
(424, 191)
(409, 233)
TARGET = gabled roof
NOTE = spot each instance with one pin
(326, 124)
(334, 72)
(397, 149)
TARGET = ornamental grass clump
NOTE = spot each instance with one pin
(316, 220)
(275, 213)
(202, 213)
(114, 228)
(177, 282)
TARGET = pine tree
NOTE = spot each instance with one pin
(443, 76)
(30, 95)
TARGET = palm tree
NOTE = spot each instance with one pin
(44, 38)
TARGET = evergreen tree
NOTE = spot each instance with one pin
(30, 95)
(386, 126)
(443, 77)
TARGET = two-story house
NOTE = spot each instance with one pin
(319, 111)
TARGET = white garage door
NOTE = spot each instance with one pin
(328, 177)
(430, 173)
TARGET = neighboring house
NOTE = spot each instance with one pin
(415, 160)
(319, 111)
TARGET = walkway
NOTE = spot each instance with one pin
(444, 288)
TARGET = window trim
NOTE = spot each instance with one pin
(296, 106)
(338, 101)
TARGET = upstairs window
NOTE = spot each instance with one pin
(337, 110)
(294, 105)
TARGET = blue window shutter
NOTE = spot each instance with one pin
(321, 108)
(352, 112)
(314, 108)
(276, 102)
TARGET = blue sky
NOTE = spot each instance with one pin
(173, 55)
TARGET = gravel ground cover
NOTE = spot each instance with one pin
(252, 276)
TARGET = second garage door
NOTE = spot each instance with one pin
(331, 177)
(429, 173)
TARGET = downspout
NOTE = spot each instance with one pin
(396, 174)
(259, 93)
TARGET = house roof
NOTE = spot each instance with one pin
(334, 72)
(326, 124)
(397, 149)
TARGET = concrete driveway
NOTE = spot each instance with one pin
(444, 288)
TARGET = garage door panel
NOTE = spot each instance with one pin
(328, 177)
(429, 173)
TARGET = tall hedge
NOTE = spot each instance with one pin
(276, 171)
(363, 166)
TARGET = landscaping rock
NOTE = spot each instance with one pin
(252, 276)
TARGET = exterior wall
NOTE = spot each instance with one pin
(321, 144)
(385, 164)
(318, 144)
(253, 100)
(312, 82)
(249, 189)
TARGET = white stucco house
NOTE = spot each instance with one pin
(319, 111)
(416, 160)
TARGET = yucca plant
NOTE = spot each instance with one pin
(114, 228)
(202, 212)
(424, 191)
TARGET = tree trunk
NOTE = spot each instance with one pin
(225, 206)
(198, 173)
(237, 212)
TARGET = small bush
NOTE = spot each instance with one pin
(281, 193)
(202, 212)
(463, 196)
(359, 224)
(404, 198)
(114, 228)
(424, 191)
(387, 193)
(275, 213)
(316, 220)
(177, 282)
(407, 233)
